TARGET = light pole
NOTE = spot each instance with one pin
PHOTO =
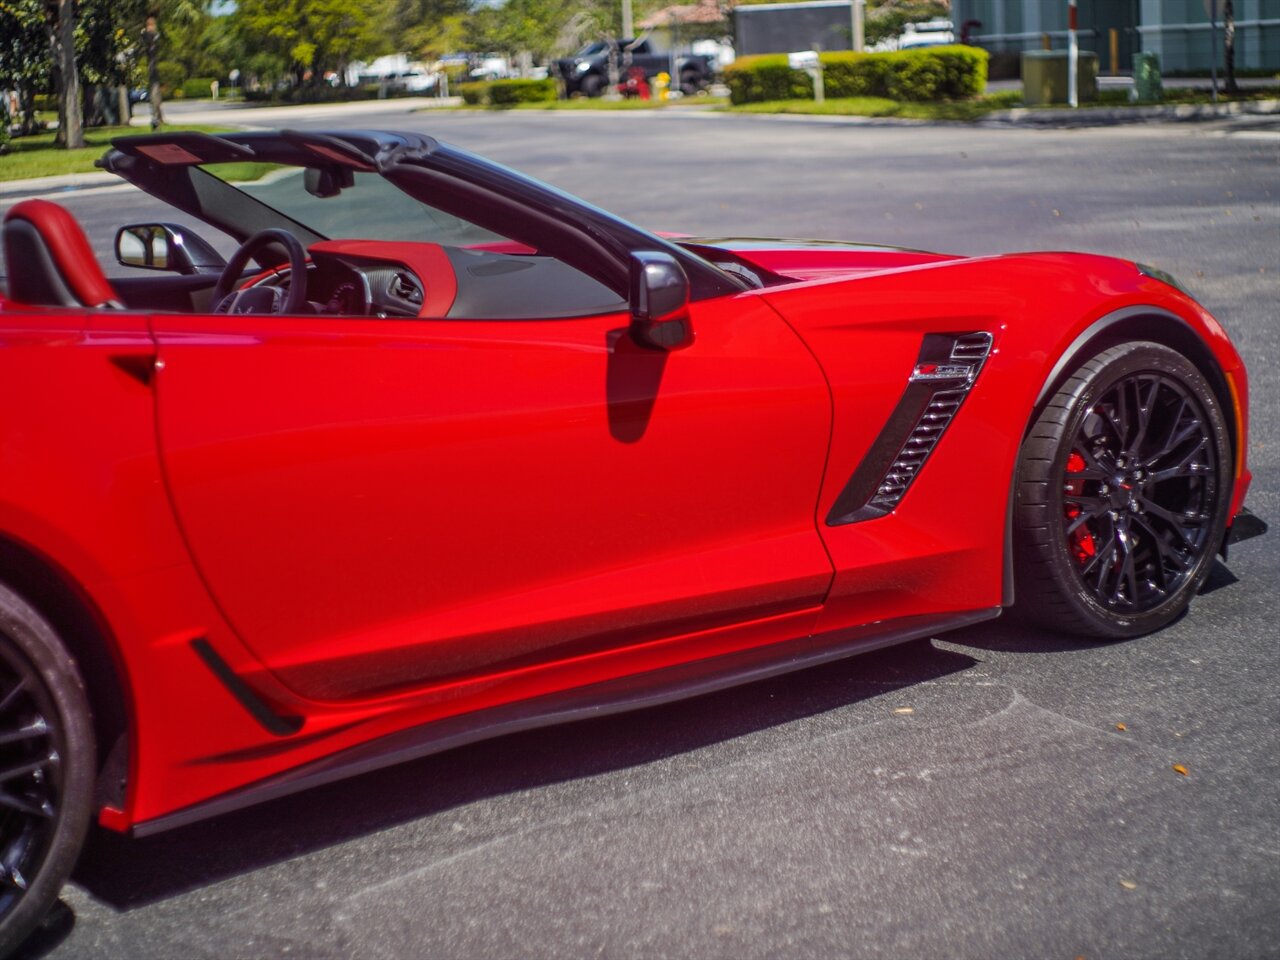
(1073, 56)
(628, 28)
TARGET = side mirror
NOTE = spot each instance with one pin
(659, 301)
(166, 246)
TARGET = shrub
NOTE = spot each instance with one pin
(934, 73)
(196, 88)
(766, 77)
(506, 93)
(474, 94)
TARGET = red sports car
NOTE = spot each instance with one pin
(442, 452)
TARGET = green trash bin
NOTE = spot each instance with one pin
(1146, 76)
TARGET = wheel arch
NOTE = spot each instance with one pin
(82, 628)
(1140, 323)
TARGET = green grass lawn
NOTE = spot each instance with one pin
(882, 107)
(36, 156)
(978, 107)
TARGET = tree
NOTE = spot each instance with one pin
(429, 29)
(312, 37)
(24, 56)
(60, 26)
(1229, 44)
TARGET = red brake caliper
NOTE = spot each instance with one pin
(1081, 540)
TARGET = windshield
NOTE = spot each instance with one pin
(372, 209)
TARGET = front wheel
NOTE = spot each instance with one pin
(1123, 489)
(46, 768)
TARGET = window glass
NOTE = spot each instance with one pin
(372, 209)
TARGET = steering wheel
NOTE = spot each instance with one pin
(263, 299)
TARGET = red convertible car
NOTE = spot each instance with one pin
(441, 452)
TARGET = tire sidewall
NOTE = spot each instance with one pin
(29, 635)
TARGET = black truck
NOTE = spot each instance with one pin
(587, 71)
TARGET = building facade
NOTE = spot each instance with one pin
(1178, 30)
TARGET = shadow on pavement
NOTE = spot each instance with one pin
(127, 873)
(1012, 635)
(54, 928)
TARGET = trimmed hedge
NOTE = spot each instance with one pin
(508, 93)
(474, 94)
(196, 88)
(934, 73)
(505, 93)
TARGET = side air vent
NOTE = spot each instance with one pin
(944, 373)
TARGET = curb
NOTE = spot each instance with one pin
(38, 186)
(1114, 116)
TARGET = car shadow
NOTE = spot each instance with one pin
(126, 873)
(49, 935)
(1011, 634)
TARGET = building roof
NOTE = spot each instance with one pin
(705, 11)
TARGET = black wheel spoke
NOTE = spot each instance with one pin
(1101, 560)
(32, 808)
(1109, 418)
(13, 773)
(1093, 470)
(1166, 557)
(30, 732)
(1144, 407)
(1093, 512)
(1184, 467)
(10, 694)
(1178, 523)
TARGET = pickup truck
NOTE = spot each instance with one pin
(587, 71)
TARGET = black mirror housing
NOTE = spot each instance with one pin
(660, 293)
(327, 181)
(166, 246)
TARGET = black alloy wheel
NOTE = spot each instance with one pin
(1124, 484)
(46, 768)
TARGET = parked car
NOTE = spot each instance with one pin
(442, 452)
(587, 71)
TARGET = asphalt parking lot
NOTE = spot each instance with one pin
(996, 792)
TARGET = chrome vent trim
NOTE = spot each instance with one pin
(972, 346)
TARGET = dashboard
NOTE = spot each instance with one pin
(350, 287)
(373, 278)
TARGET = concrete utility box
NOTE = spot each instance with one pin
(1044, 77)
(1146, 76)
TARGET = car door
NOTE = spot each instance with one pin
(378, 504)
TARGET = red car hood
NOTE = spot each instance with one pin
(814, 259)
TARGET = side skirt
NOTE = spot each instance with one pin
(615, 696)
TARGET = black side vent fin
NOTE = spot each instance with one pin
(282, 725)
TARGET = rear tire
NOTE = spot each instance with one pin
(46, 768)
(1123, 490)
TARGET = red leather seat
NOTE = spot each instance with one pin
(50, 261)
